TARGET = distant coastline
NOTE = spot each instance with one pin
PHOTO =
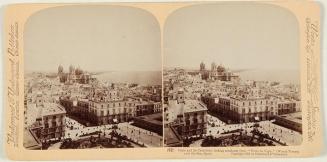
(278, 75)
(138, 77)
(284, 76)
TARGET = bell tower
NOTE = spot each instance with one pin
(180, 96)
(39, 100)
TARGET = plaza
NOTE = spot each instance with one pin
(137, 136)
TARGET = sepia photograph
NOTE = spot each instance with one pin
(231, 76)
(162, 80)
(92, 78)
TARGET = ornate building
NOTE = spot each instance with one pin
(222, 74)
(73, 76)
(202, 67)
(217, 73)
(203, 72)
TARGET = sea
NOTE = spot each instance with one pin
(138, 77)
(283, 76)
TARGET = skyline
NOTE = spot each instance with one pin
(265, 45)
(96, 38)
(252, 36)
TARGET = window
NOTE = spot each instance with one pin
(195, 120)
(187, 122)
(54, 124)
(187, 116)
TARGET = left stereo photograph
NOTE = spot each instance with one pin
(92, 78)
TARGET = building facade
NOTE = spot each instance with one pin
(187, 117)
(288, 106)
(108, 107)
(246, 105)
(250, 110)
(49, 123)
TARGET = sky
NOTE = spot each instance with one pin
(94, 38)
(239, 36)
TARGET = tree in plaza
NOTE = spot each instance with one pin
(260, 138)
(92, 141)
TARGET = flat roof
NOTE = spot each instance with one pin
(152, 118)
(194, 105)
(295, 117)
(29, 141)
(52, 109)
(287, 101)
(171, 137)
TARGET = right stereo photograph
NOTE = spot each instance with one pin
(231, 76)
